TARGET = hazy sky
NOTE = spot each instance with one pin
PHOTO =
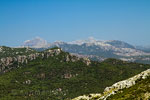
(68, 20)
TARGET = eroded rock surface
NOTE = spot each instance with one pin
(116, 87)
(9, 63)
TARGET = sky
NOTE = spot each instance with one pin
(69, 20)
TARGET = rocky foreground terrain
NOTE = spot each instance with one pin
(117, 87)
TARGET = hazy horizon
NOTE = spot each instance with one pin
(22, 43)
(70, 20)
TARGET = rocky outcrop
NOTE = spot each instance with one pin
(124, 84)
(87, 61)
(75, 57)
(116, 87)
(9, 63)
(1, 49)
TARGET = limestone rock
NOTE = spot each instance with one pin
(116, 87)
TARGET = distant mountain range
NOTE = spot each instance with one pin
(96, 49)
(144, 48)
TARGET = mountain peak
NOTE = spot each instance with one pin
(36, 42)
(88, 40)
(91, 39)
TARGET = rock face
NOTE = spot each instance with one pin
(9, 63)
(125, 84)
(115, 87)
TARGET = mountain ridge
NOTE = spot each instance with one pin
(6, 63)
(100, 50)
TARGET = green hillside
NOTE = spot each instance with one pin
(13, 52)
(63, 76)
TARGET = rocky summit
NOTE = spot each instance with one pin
(35, 43)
